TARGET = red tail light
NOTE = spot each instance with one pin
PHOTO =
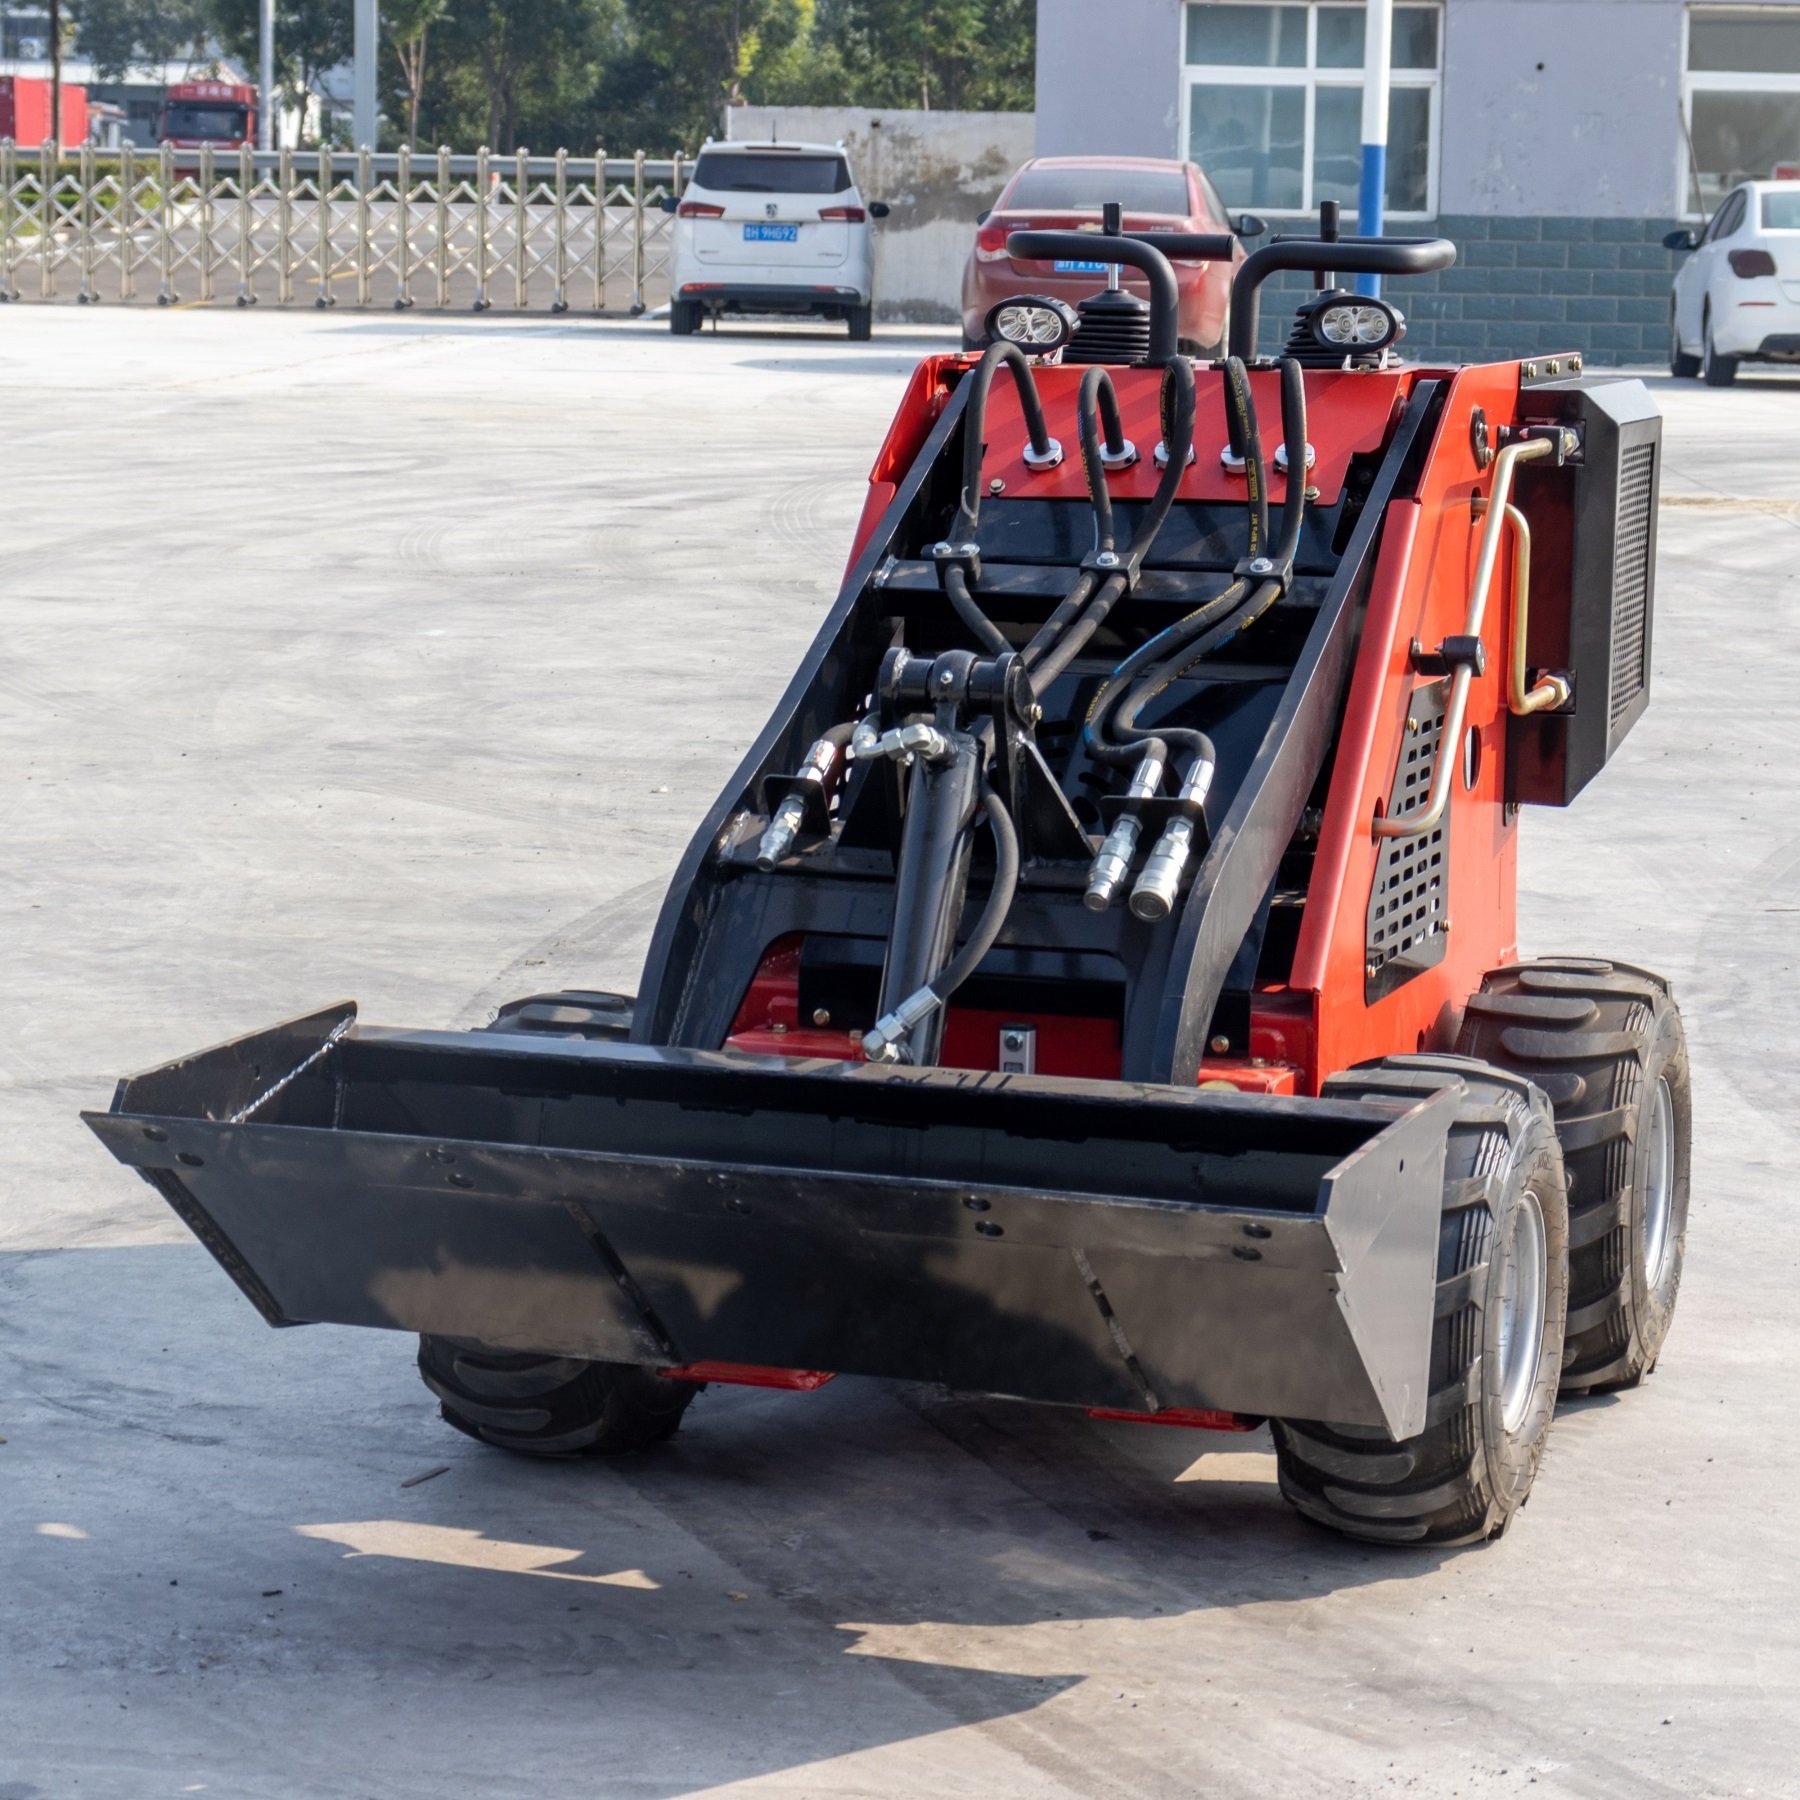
(699, 209)
(1750, 263)
(849, 215)
(990, 242)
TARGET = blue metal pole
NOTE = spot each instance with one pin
(1378, 26)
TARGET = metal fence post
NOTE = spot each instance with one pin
(403, 227)
(443, 225)
(481, 229)
(206, 222)
(637, 234)
(127, 220)
(284, 225)
(559, 250)
(46, 220)
(84, 200)
(521, 227)
(363, 171)
(165, 226)
(9, 181)
(326, 180)
(600, 227)
(246, 246)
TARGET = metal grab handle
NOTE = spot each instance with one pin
(1135, 252)
(1348, 256)
(1413, 824)
(1553, 690)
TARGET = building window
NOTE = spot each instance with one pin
(1273, 99)
(1741, 101)
(24, 37)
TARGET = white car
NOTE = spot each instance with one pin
(772, 228)
(1737, 297)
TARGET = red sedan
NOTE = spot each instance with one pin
(1066, 193)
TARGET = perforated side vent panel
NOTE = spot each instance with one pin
(1631, 578)
(1406, 920)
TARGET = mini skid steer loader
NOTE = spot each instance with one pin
(1098, 985)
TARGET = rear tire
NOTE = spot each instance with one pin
(861, 320)
(1496, 1341)
(1715, 370)
(550, 1405)
(1682, 366)
(1604, 1041)
(684, 317)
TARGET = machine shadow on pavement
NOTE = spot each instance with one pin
(854, 1543)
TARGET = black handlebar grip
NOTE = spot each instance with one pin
(1349, 256)
(1088, 246)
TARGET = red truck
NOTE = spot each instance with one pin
(25, 110)
(197, 113)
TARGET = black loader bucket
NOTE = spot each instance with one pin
(1088, 1243)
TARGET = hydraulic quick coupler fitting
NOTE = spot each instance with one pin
(1113, 865)
(778, 840)
(1154, 896)
(1159, 886)
(820, 770)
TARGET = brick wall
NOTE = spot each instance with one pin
(1523, 286)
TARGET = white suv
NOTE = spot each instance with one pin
(772, 228)
(1737, 298)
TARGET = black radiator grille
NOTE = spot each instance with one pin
(1404, 930)
(1631, 577)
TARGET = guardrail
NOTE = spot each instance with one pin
(297, 227)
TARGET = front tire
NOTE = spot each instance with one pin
(1497, 1331)
(1715, 370)
(1682, 366)
(550, 1405)
(1604, 1041)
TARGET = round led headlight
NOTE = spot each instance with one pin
(1037, 323)
(1357, 327)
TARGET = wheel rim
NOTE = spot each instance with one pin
(1659, 1184)
(1522, 1282)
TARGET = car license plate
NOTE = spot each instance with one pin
(1079, 268)
(771, 234)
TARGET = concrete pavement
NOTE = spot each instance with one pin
(339, 658)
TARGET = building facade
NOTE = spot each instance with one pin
(1555, 141)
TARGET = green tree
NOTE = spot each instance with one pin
(510, 72)
(311, 36)
(677, 62)
(407, 23)
(117, 34)
(978, 54)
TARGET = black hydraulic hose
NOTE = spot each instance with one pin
(1120, 720)
(1066, 609)
(1246, 441)
(975, 424)
(999, 900)
(1095, 400)
(1177, 404)
(1293, 434)
(1155, 651)
(987, 633)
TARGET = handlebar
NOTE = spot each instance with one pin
(1146, 253)
(1349, 256)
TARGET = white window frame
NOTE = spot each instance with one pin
(1717, 81)
(1311, 78)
